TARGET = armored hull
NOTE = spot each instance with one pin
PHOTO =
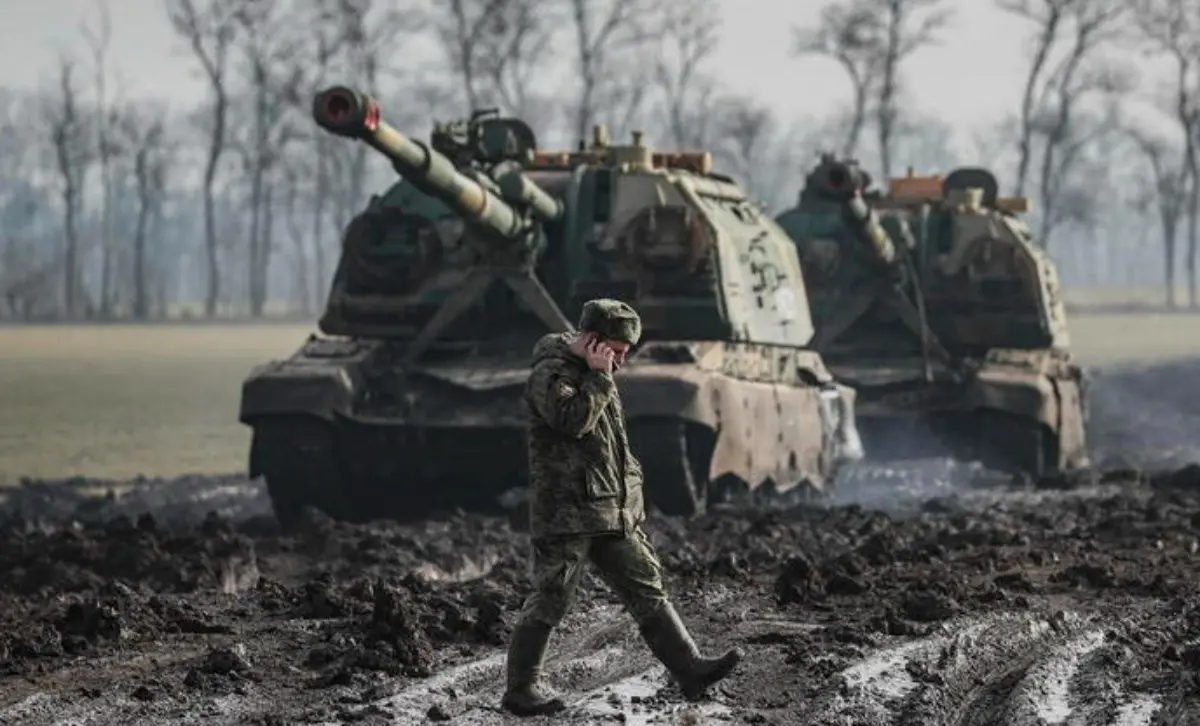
(337, 427)
(1023, 414)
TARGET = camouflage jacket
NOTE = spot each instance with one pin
(583, 477)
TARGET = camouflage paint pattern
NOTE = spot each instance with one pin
(627, 563)
(583, 478)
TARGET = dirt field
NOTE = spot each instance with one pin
(942, 602)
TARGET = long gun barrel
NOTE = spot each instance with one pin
(864, 223)
(346, 112)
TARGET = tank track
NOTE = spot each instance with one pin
(331, 466)
(298, 459)
(675, 457)
(304, 464)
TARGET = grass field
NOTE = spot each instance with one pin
(118, 401)
(123, 400)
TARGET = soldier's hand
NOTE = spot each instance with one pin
(599, 356)
(580, 342)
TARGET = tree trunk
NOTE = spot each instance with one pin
(262, 269)
(215, 149)
(1169, 266)
(1193, 222)
(255, 237)
(71, 282)
(1025, 143)
(318, 228)
(141, 302)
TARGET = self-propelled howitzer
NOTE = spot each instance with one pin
(957, 344)
(413, 401)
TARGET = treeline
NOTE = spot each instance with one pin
(114, 207)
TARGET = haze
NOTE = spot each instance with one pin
(958, 101)
(754, 55)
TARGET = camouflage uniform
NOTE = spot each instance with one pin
(587, 506)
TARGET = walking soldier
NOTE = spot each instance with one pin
(587, 506)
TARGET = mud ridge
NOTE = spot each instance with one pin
(1074, 599)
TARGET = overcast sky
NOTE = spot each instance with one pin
(755, 42)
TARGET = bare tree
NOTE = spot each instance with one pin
(688, 40)
(1172, 27)
(1167, 196)
(100, 39)
(605, 32)
(871, 39)
(1049, 16)
(849, 34)
(28, 271)
(144, 136)
(496, 51)
(746, 131)
(370, 33)
(1064, 137)
(463, 27)
(909, 25)
(1054, 114)
(329, 40)
(299, 257)
(271, 45)
(72, 155)
(513, 53)
(209, 31)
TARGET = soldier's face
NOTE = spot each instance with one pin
(620, 349)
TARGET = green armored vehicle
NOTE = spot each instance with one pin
(936, 305)
(412, 399)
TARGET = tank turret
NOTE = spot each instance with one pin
(834, 180)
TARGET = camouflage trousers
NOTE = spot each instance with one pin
(627, 564)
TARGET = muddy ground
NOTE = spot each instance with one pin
(929, 593)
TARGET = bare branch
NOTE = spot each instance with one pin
(1172, 28)
(209, 32)
(871, 39)
(610, 39)
(1053, 96)
(688, 41)
(853, 36)
(512, 54)
(902, 39)
(68, 135)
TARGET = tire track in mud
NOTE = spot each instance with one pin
(598, 665)
(57, 710)
(1001, 670)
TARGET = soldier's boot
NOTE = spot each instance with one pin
(670, 642)
(525, 695)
